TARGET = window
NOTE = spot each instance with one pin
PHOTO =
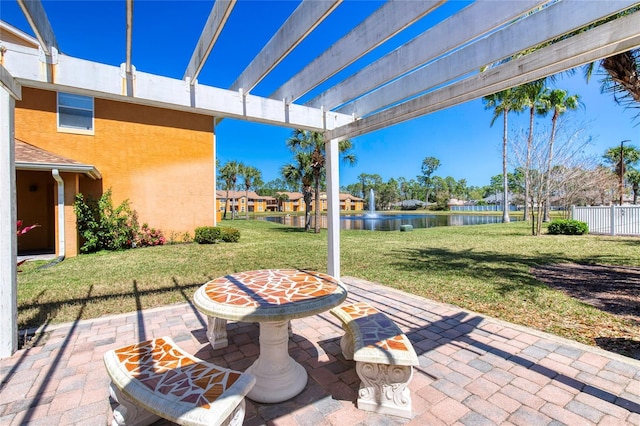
(75, 113)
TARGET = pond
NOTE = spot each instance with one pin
(382, 222)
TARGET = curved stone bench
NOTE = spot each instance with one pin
(384, 358)
(156, 378)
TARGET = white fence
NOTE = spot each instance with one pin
(612, 220)
(487, 208)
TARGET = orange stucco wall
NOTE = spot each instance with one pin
(160, 160)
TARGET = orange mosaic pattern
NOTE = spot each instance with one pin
(270, 287)
(376, 329)
(166, 370)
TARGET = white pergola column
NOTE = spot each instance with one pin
(215, 173)
(333, 207)
(9, 91)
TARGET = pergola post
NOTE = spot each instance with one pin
(9, 91)
(214, 142)
(333, 207)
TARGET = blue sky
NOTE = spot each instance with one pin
(165, 33)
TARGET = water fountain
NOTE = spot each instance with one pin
(372, 206)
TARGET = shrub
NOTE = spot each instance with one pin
(149, 237)
(567, 227)
(103, 227)
(230, 235)
(207, 235)
(215, 234)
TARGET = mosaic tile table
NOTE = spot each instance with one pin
(271, 297)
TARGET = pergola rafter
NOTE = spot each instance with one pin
(553, 21)
(479, 18)
(216, 21)
(380, 26)
(37, 18)
(621, 36)
(299, 25)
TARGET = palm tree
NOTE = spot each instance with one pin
(623, 79)
(251, 178)
(557, 101)
(299, 172)
(313, 143)
(281, 197)
(530, 95)
(502, 103)
(622, 158)
(633, 176)
(229, 173)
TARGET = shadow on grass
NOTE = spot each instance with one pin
(48, 310)
(514, 271)
(289, 230)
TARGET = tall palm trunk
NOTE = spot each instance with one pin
(505, 180)
(308, 198)
(317, 164)
(527, 165)
(226, 203)
(246, 200)
(547, 188)
(317, 212)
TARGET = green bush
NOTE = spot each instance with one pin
(103, 226)
(230, 235)
(207, 235)
(215, 234)
(567, 227)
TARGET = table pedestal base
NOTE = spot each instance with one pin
(278, 376)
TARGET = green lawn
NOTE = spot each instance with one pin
(484, 268)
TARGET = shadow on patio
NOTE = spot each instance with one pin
(473, 369)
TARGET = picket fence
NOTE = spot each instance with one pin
(612, 220)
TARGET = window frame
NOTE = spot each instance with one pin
(70, 129)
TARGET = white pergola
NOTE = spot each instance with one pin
(437, 69)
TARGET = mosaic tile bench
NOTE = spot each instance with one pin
(384, 358)
(155, 379)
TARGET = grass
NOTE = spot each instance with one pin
(484, 268)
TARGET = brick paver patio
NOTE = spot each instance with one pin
(473, 370)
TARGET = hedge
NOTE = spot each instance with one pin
(567, 227)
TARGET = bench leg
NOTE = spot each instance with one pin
(384, 388)
(346, 344)
(217, 332)
(127, 413)
(237, 417)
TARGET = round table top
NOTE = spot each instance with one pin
(269, 295)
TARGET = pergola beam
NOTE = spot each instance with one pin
(387, 21)
(37, 18)
(79, 76)
(552, 22)
(216, 21)
(307, 16)
(478, 19)
(604, 41)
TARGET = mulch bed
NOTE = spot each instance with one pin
(614, 289)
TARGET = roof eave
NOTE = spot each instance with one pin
(88, 170)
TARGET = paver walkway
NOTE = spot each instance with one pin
(473, 370)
